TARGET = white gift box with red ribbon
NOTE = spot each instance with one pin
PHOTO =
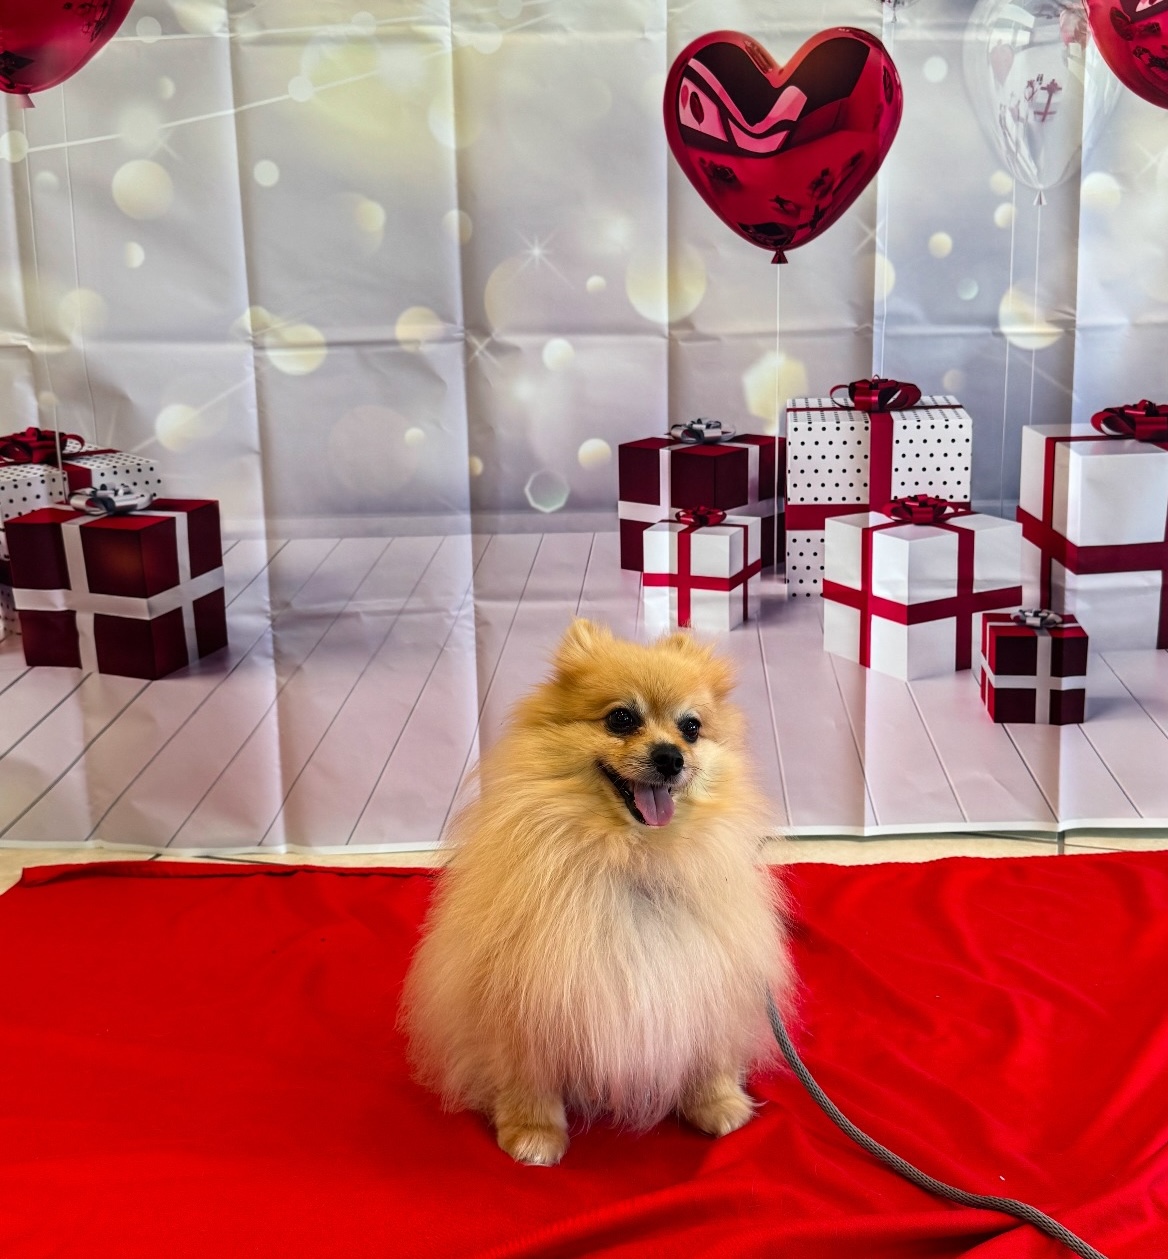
(1094, 510)
(701, 572)
(903, 587)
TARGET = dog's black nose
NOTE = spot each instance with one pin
(667, 759)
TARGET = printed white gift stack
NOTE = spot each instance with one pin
(1094, 512)
(903, 587)
(701, 571)
(881, 442)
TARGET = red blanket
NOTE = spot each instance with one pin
(202, 1061)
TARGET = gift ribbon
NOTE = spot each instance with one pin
(686, 582)
(1037, 618)
(877, 398)
(87, 604)
(38, 445)
(962, 606)
(878, 394)
(701, 433)
(1113, 424)
(1043, 684)
(700, 516)
(1145, 421)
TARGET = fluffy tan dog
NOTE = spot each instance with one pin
(602, 937)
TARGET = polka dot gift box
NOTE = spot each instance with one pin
(870, 442)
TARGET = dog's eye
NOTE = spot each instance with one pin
(689, 727)
(622, 721)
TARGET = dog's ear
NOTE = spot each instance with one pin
(580, 640)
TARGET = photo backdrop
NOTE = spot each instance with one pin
(372, 270)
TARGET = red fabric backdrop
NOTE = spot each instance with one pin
(201, 1061)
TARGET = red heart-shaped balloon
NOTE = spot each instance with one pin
(1132, 37)
(780, 152)
(43, 42)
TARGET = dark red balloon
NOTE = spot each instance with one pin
(1132, 37)
(43, 42)
(780, 152)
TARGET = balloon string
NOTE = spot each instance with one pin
(1006, 372)
(882, 220)
(1034, 349)
(778, 351)
(36, 306)
(80, 323)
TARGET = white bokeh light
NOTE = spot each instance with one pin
(546, 491)
(558, 354)
(594, 453)
(940, 244)
(266, 173)
(142, 189)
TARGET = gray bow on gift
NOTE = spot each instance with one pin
(701, 432)
(119, 500)
(1036, 618)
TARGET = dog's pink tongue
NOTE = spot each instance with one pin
(655, 803)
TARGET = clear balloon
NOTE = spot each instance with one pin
(780, 152)
(1026, 70)
(1132, 37)
(43, 42)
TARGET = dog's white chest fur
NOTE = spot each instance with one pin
(655, 996)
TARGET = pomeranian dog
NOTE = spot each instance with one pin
(603, 936)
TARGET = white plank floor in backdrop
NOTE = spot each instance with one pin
(363, 673)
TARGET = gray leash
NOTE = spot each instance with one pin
(1008, 1206)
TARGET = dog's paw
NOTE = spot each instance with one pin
(538, 1146)
(720, 1111)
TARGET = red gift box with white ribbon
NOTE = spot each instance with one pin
(701, 571)
(870, 442)
(1032, 667)
(700, 465)
(139, 595)
(1093, 504)
(903, 586)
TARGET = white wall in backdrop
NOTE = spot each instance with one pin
(334, 261)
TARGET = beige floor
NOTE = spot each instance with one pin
(832, 851)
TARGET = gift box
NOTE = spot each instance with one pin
(902, 587)
(701, 572)
(1093, 505)
(35, 473)
(700, 465)
(1032, 667)
(870, 442)
(139, 595)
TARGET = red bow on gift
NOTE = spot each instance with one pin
(1145, 421)
(878, 394)
(701, 516)
(923, 509)
(37, 445)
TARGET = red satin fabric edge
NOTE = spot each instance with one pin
(202, 1060)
